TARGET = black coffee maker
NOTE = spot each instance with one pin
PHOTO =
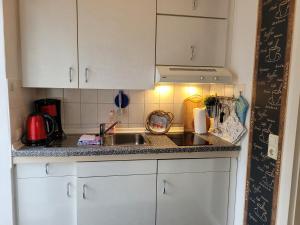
(51, 107)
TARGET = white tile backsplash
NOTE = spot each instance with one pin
(89, 114)
(150, 108)
(55, 93)
(137, 96)
(106, 96)
(167, 107)
(72, 114)
(72, 95)
(123, 116)
(178, 113)
(103, 112)
(136, 113)
(229, 91)
(166, 94)
(89, 96)
(151, 96)
(205, 89)
(217, 89)
(88, 108)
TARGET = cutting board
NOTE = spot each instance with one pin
(195, 101)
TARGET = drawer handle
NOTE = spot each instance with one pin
(193, 49)
(86, 75)
(84, 191)
(164, 190)
(195, 4)
(47, 168)
(69, 190)
(70, 74)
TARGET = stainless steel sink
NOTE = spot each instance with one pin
(125, 139)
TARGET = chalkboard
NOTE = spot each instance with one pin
(274, 36)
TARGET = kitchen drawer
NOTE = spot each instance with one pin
(194, 165)
(116, 168)
(187, 41)
(201, 8)
(45, 170)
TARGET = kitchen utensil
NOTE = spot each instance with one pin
(195, 101)
(159, 122)
(231, 130)
(40, 130)
(51, 107)
(212, 107)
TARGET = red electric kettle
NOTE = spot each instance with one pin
(40, 130)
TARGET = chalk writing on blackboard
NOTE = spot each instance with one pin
(270, 87)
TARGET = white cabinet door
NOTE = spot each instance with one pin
(203, 8)
(47, 201)
(191, 41)
(117, 200)
(49, 43)
(192, 198)
(116, 44)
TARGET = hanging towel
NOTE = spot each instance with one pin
(241, 109)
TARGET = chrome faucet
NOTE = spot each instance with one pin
(103, 131)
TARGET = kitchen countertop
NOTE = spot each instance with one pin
(160, 147)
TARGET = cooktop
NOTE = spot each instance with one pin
(187, 139)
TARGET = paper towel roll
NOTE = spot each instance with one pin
(199, 120)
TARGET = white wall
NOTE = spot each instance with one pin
(6, 212)
(290, 125)
(242, 64)
(20, 99)
(294, 209)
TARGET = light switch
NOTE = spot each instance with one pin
(273, 146)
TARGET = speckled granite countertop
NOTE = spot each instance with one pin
(158, 144)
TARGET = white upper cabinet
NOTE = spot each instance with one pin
(116, 44)
(201, 8)
(49, 43)
(189, 41)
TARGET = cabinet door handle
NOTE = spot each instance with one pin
(195, 4)
(84, 191)
(69, 190)
(47, 168)
(70, 74)
(193, 49)
(164, 190)
(86, 75)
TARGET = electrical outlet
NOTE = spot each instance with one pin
(273, 146)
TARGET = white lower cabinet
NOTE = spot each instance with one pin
(195, 194)
(163, 192)
(192, 198)
(117, 200)
(47, 201)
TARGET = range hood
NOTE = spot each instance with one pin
(184, 74)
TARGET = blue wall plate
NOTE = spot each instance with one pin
(121, 100)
